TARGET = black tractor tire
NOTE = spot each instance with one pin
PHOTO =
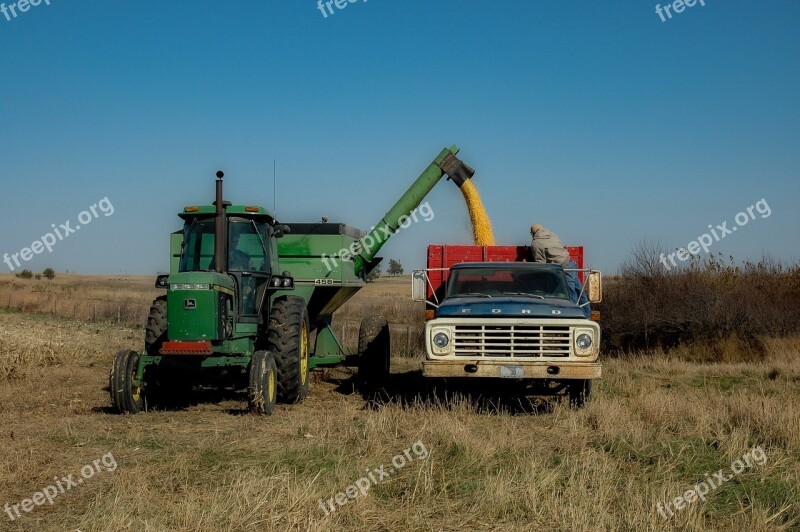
(288, 342)
(580, 392)
(262, 391)
(156, 329)
(374, 352)
(125, 397)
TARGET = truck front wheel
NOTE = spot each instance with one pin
(580, 392)
(374, 351)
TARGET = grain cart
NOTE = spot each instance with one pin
(252, 300)
(493, 313)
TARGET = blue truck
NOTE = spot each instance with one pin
(505, 317)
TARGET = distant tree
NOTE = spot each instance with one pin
(25, 274)
(395, 268)
(374, 274)
(49, 273)
(38, 276)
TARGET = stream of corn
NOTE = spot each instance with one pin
(481, 224)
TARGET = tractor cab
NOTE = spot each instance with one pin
(249, 253)
(223, 271)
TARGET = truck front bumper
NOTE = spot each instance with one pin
(512, 369)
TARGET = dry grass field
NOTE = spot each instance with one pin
(658, 425)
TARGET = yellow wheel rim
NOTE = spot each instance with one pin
(271, 385)
(303, 353)
(136, 391)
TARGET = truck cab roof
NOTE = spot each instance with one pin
(508, 265)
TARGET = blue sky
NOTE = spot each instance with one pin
(595, 119)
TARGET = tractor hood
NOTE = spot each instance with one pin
(508, 306)
(220, 282)
(198, 306)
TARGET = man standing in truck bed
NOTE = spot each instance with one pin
(548, 248)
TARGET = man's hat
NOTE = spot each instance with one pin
(535, 228)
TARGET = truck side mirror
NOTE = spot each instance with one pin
(594, 287)
(419, 286)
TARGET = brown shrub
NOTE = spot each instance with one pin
(722, 308)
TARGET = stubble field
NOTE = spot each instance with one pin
(657, 426)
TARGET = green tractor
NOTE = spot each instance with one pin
(251, 301)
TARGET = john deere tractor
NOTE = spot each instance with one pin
(251, 301)
(219, 314)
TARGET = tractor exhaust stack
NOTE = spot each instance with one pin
(219, 228)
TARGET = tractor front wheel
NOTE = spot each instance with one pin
(262, 392)
(288, 340)
(126, 396)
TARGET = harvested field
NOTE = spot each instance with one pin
(657, 426)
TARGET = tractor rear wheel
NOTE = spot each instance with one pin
(288, 341)
(580, 391)
(126, 397)
(262, 392)
(156, 329)
(374, 351)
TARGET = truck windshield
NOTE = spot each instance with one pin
(497, 282)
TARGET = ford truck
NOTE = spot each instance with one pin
(493, 313)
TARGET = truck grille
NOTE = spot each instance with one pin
(512, 340)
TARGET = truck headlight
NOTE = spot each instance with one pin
(583, 341)
(441, 340)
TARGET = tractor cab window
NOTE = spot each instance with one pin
(198, 245)
(248, 261)
(247, 246)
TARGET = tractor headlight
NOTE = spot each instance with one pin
(190, 286)
(441, 340)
